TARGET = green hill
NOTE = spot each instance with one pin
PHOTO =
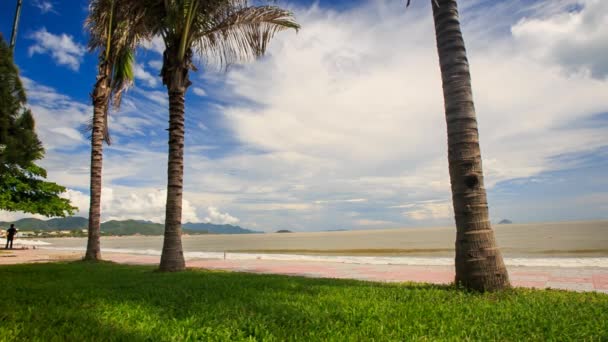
(66, 223)
(217, 228)
(125, 227)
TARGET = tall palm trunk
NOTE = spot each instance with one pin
(100, 95)
(175, 77)
(15, 25)
(479, 263)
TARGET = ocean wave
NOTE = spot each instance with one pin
(370, 260)
(22, 242)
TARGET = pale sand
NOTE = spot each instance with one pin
(25, 256)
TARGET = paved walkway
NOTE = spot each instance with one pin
(575, 279)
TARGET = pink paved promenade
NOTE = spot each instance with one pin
(575, 279)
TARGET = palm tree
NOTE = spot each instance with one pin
(114, 32)
(479, 263)
(222, 31)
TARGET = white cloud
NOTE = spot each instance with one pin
(156, 64)
(360, 98)
(60, 122)
(352, 200)
(575, 39)
(44, 6)
(216, 217)
(199, 91)
(69, 134)
(9, 216)
(156, 44)
(141, 74)
(346, 129)
(428, 210)
(120, 203)
(79, 200)
(61, 47)
(58, 117)
(160, 97)
(145, 204)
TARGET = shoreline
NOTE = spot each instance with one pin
(422, 259)
(540, 277)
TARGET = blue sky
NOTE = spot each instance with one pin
(341, 125)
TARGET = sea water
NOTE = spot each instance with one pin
(565, 244)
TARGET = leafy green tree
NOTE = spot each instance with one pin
(113, 30)
(225, 31)
(22, 184)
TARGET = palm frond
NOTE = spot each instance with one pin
(97, 23)
(239, 33)
(116, 28)
(123, 75)
(409, 1)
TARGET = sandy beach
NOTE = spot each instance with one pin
(568, 255)
(575, 279)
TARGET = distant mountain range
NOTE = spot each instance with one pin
(126, 227)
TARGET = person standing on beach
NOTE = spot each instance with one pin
(10, 234)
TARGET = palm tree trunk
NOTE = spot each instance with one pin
(479, 263)
(175, 77)
(15, 25)
(100, 95)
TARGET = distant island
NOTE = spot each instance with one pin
(284, 231)
(505, 221)
(77, 226)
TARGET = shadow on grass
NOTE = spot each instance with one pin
(94, 296)
(107, 301)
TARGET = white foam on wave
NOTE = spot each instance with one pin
(23, 242)
(110, 250)
(369, 260)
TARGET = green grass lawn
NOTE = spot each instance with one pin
(84, 301)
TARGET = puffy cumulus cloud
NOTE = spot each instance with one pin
(147, 78)
(145, 204)
(123, 203)
(217, 217)
(342, 125)
(352, 107)
(79, 200)
(62, 48)
(576, 39)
